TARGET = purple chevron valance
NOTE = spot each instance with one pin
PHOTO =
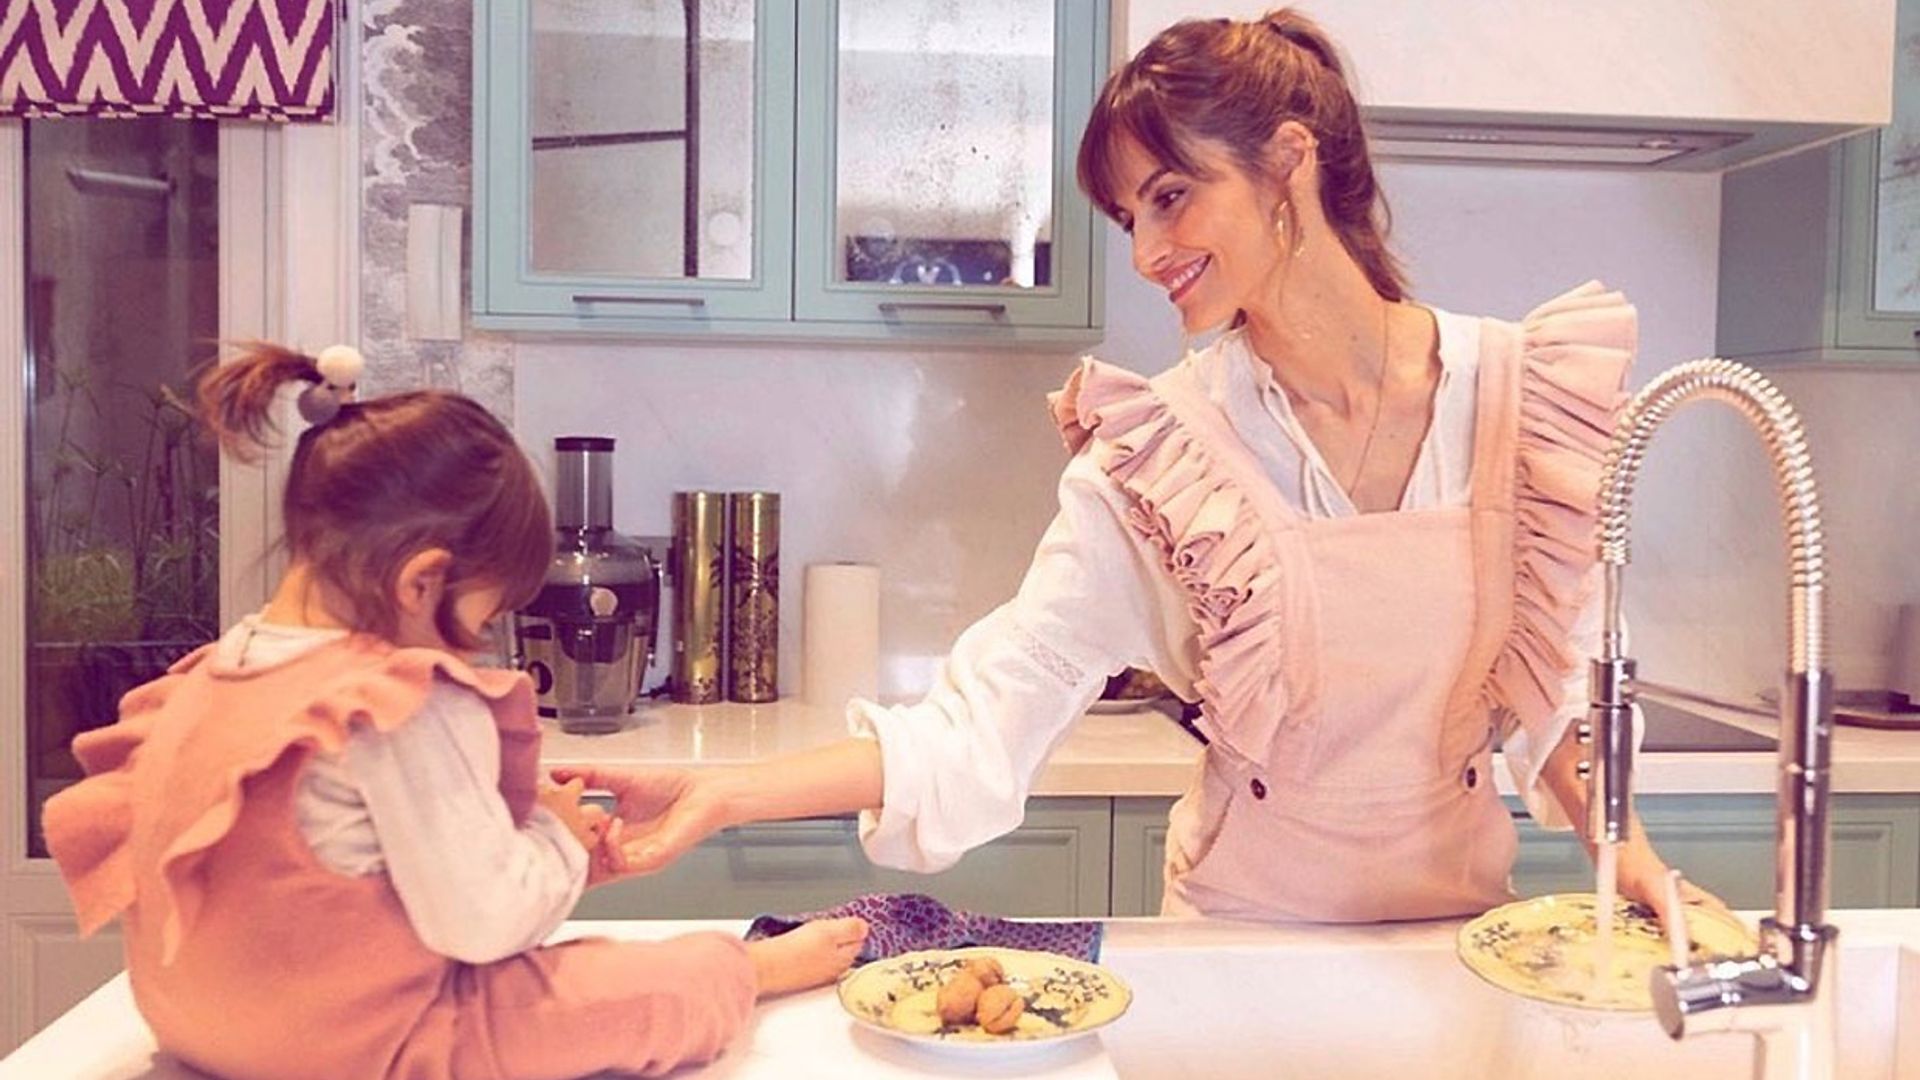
(218, 59)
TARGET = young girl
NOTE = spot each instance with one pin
(322, 832)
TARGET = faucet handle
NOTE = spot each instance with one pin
(1608, 732)
(1702, 998)
(1793, 967)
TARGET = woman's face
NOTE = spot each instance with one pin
(1210, 242)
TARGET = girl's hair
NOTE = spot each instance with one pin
(1235, 83)
(387, 479)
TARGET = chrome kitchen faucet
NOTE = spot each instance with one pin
(1784, 995)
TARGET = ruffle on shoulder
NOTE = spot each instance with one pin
(1575, 353)
(129, 831)
(88, 826)
(1208, 535)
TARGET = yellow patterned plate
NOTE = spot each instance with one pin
(1066, 998)
(1544, 949)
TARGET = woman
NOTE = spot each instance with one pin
(1357, 530)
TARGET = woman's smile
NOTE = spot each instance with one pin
(1180, 281)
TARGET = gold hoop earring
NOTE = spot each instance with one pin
(1280, 230)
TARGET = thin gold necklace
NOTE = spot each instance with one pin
(1300, 400)
(1379, 403)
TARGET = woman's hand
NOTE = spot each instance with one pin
(1642, 874)
(1643, 877)
(662, 814)
(659, 815)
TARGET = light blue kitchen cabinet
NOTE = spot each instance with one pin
(1056, 863)
(1820, 251)
(1139, 854)
(633, 164)
(881, 170)
(935, 173)
(1092, 857)
(1725, 843)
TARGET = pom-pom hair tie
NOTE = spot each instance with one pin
(339, 368)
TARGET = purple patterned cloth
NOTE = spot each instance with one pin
(218, 59)
(908, 922)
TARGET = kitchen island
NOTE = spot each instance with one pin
(1224, 1001)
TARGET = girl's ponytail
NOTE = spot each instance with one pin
(370, 484)
(236, 398)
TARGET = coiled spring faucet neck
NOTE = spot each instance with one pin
(1769, 411)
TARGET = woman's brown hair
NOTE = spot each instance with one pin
(386, 479)
(1235, 82)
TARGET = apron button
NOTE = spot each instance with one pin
(1472, 778)
(1259, 789)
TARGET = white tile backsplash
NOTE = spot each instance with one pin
(937, 466)
(1716, 598)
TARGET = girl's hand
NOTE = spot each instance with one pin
(1643, 877)
(587, 823)
(660, 814)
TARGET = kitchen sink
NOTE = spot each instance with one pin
(1379, 1002)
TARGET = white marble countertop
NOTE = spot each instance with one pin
(1143, 752)
(1229, 999)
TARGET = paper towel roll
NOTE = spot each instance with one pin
(841, 635)
(1906, 652)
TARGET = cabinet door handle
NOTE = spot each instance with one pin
(615, 298)
(890, 307)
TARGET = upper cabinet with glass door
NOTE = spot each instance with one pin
(1879, 284)
(872, 169)
(936, 163)
(633, 161)
(1820, 252)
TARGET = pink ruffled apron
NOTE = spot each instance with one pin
(1355, 671)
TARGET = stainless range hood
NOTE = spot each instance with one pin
(1628, 84)
(1533, 144)
(1584, 142)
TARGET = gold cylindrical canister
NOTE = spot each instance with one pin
(753, 590)
(699, 597)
